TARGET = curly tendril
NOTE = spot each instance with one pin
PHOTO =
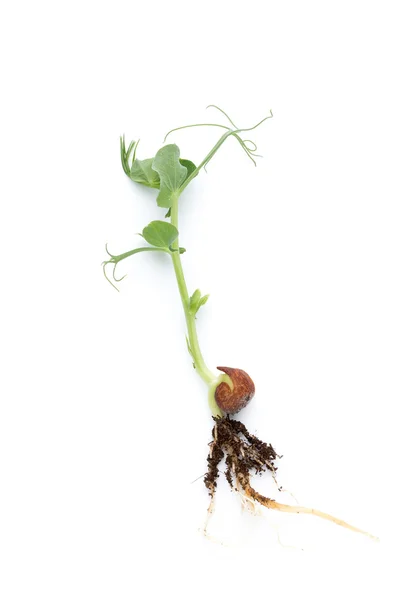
(248, 146)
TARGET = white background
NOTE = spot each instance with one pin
(104, 424)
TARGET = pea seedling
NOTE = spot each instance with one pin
(232, 389)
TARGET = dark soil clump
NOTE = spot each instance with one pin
(244, 455)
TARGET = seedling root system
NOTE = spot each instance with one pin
(245, 455)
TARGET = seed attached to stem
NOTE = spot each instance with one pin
(232, 401)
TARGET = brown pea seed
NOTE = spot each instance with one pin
(232, 401)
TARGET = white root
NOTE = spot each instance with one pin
(210, 512)
(268, 503)
(248, 503)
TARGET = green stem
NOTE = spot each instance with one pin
(206, 159)
(119, 257)
(201, 367)
(208, 376)
(211, 379)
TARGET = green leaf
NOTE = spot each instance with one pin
(193, 302)
(126, 153)
(189, 165)
(203, 300)
(172, 174)
(143, 172)
(160, 234)
(175, 170)
(197, 301)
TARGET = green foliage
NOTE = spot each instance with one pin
(191, 167)
(142, 172)
(172, 174)
(196, 301)
(193, 301)
(160, 234)
(126, 153)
